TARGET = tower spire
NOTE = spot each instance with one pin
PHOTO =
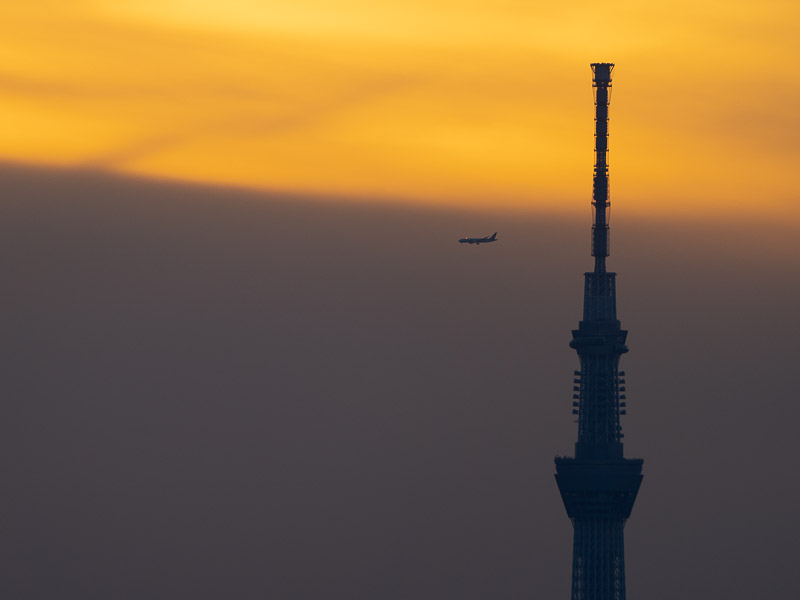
(601, 82)
(599, 486)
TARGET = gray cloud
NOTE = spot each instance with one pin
(210, 393)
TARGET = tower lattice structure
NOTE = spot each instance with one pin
(598, 485)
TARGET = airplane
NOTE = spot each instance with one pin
(479, 241)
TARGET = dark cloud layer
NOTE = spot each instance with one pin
(213, 394)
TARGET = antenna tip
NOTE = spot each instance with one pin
(602, 72)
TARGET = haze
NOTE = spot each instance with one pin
(213, 394)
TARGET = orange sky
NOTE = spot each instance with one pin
(476, 103)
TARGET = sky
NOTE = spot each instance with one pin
(462, 103)
(244, 356)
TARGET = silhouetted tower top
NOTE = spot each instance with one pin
(599, 339)
(598, 485)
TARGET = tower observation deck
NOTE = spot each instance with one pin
(599, 486)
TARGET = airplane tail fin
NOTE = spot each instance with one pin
(494, 236)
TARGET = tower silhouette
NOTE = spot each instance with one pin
(599, 486)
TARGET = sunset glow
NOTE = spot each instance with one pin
(467, 102)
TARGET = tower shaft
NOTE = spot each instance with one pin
(599, 486)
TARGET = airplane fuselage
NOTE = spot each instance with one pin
(478, 241)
